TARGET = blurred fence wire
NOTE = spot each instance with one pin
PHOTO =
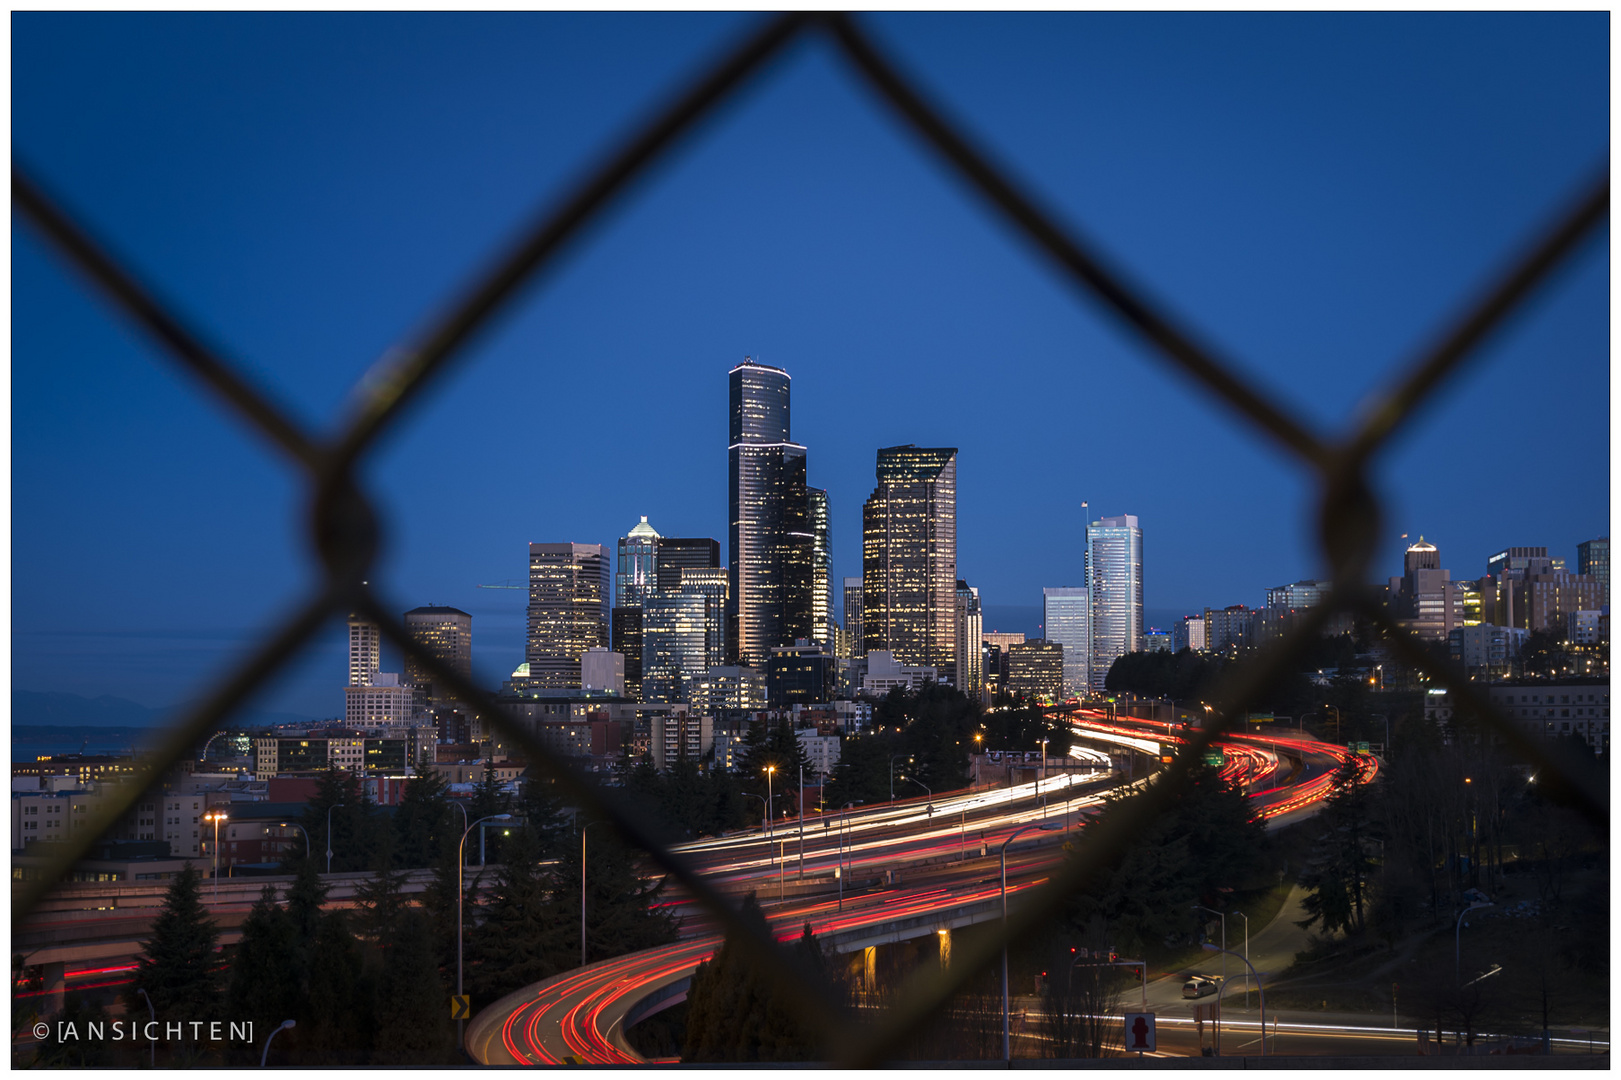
(344, 529)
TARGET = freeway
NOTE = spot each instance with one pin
(581, 1015)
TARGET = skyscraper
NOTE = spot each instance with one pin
(817, 518)
(568, 611)
(1593, 559)
(365, 643)
(1423, 597)
(970, 677)
(1114, 574)
(909, 558)
(636, 575)
(1066, 616)
(852, 615)
(448, 634)
(769, 601)
(683, 634)
(679, 553)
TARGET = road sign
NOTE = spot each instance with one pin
(1140, 1032)
(1261, 718)
(1215, 758)
(459, 1007)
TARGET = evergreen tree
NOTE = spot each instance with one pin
(337, 1023)
(412, 1022)
(543, 814)
(265, 982)
(489, 798)
(738, 1012)
(1339, 866)
(516, 936)
(423, 820)
(356, 826)
(177, 964)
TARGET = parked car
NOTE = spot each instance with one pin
(1200, 985)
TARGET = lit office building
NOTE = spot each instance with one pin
(1229, 629)
(1066, 616)
(970, 641)
(852, 615)
(1114, 574)
(1188, 633)
(769, 601)
(909, 558)
(1036, 670)
(723, 690)
(678, 553)
(1423, 599)
(447, 633)
(817, 517)
(673, 650)
(635, 575)
(365, 651)
(568, 611)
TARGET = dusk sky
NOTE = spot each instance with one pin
(1315, 196)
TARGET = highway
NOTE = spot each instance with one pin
(932, 845)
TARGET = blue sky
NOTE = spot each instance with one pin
(1316, 196)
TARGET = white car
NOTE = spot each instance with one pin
(1198, 986)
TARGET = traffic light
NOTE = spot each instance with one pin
(1113, 956)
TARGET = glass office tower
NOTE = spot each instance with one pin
(635, 577)
(970, 641)
(1066, 616)
(568, 611)
(1114, 574)
(769, 600)
(909, 558)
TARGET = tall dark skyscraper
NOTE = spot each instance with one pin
(769, 600)
(678, 553)
(568, 610)
(909, 558)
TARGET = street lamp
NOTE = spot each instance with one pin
(1259, 988)
(1457, 938)
(1007, 1039)
(770, 802)
(892, 758)
(765, 809)
(329, 810)
(844, 821)
(1246, 919)
(153, 1013)
(979, 740)
(925, 787)
(1042, 776)
(1223, 918)
(216, 817)
(285, 1024)
(582, 888)
(461, 846)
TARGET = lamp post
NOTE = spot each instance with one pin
(216, 817)
(300, 828)
(1336, 720)
(461, 897)
(1246, 919)
(800, 796)
(1223, 918)
(770, 801)
(1261, 989)
(153, 1013)
(892, 758)
(1042, 776)
(329, 810)
(844, 822)
(582, 888)
(1457, 939)
(979, 746)
(285, 1024)
(1007, 1038)
(925, 787)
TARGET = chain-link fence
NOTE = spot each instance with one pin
(344, 530)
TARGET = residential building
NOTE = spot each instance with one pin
(1188, 633)
(1577, 706)
(1287, 604)
(909, 558)
(1156, 640)
(1114, 574)
(447, 634)
(852, 716)
(604, 670)
(1546, 601)
(386, 703)
(1036, 670)
(681, 734)
(568, 610)
(1230, 628)
(1066, 617)
(1588, 627)
(821, 753)
(1422, 599)
(1593, 560)
(769, 600)
(818, 519)
(635, 575)
(1485, 650)
(885, 673)
(970, 675)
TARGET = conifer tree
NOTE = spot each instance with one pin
(177, 965)
(738, 1012)
(265, 984)
(412, 1022)
(423, 820)
(514, 937)
(336, 1027)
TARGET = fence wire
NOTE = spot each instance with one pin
(344, 528)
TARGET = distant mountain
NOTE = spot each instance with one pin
(31, 708)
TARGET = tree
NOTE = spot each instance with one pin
(265, 986)
(516, 934)
(489, 798)
(738, 1012)
(412, 1022)
(177, 964)
(423, 820)
(337, 1024)
(1338, 869)
(356, 827)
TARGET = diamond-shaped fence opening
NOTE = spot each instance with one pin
(344, 528)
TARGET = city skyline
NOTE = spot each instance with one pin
(222, 217)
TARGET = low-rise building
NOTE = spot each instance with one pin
(885, 673)
(1578, 707)
(821, 752)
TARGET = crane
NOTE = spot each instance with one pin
(509, 583)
